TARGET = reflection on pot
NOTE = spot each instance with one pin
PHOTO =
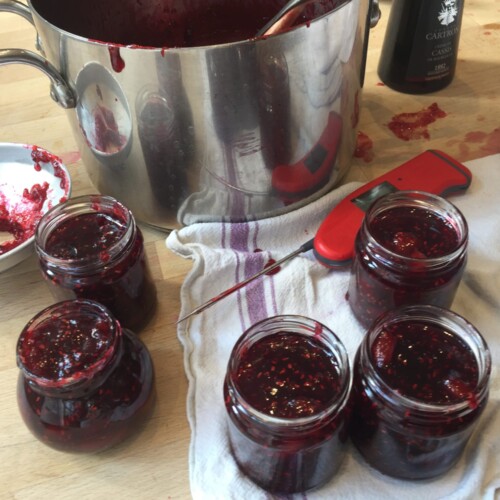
(274, 108)
(104, 115)
(297, 181)
(160, 137)
(238, 141)
(165, 129)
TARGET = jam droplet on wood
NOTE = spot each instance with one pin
(411, 126)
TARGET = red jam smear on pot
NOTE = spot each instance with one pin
(85, 384)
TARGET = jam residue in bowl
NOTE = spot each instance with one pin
(32, 180)
(85, 383)
(421, 381)
(286, 392)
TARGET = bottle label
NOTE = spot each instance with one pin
(434, 54)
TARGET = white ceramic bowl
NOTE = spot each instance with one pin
(22, 168)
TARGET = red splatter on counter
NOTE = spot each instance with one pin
(71, 157)
(364, 147)
(476, 144)
(411, 126)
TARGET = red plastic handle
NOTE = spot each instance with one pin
(432, 171)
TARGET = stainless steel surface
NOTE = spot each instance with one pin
(375, 13)
(194, 134)
(17, 173)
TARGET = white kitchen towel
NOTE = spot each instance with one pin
(224, 254)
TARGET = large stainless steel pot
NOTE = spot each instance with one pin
(233, 131)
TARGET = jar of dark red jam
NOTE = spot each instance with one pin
(85, 384)
(286, 393)
(90, 247)
(421, 382)
(411, 249)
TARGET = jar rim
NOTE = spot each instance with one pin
(421, 199)
(80, 205)
(69, 309)
(438, 316)
(312, 328)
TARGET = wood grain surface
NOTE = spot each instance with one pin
(154, 464)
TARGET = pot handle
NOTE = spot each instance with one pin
(59, 90)
(374, 13)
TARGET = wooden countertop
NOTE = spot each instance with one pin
(155, 463)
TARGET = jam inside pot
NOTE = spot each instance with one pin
(421, 378)
(90, 247)
(410, 249)
(286, 393)
(85, 383)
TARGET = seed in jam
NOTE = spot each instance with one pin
(288, 375)
(84, 236)
(414, 232)
(64, 347)
(425, 362)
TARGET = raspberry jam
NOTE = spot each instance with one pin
(410, 249)
(85, 384)
(286, 390)
(90, 247)
(421, 381)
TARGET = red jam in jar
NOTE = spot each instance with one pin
(410, 249)
(85, 383)
(286, 393)
(90, 247)
(421, 382)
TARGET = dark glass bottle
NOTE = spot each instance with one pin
(420, 48)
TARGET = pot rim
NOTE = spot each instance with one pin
(248, 41)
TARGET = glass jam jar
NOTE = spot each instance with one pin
(411, 249)
(90, 247)
(85, 383)
(286, 392)
(421, 382)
